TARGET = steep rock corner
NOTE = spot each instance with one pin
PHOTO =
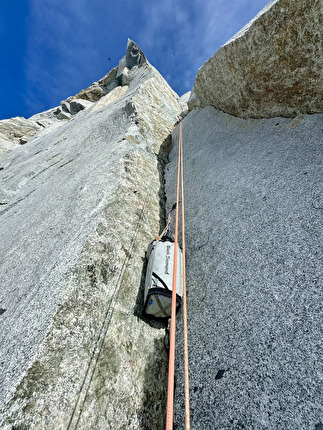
(81, 196)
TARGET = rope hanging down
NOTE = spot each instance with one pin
(171, 366)
(186, 371)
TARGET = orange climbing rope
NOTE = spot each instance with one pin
(171, 366)
(186, 370)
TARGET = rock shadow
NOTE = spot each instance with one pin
(161, 323)
(163, 158)
(152, 414)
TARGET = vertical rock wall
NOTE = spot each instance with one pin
(253, 194)
(254, 227)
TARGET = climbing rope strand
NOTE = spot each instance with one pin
(167, 226)
(171, 364)
(186, 369)
(171, 367)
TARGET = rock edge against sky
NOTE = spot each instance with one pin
(272, 67)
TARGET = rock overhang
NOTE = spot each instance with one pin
(272, 67)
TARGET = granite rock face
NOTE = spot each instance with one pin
(272, 67)
(79, 206)
(71, 106)
(183, 101)
(16, 131)
(253, 194)
(82, 198)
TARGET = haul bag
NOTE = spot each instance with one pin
(159, 278)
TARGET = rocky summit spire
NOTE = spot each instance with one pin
(134, 57)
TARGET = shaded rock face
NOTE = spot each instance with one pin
(272, 67)
(253, 195)
(79, 206)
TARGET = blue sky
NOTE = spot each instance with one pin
(51, 49)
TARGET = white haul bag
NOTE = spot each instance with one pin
(159, 278)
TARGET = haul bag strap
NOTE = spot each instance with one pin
(163, 292)
(157, 305)
(161, 281)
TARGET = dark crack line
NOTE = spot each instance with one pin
(69, 161)
(44, 170)
(10, 206)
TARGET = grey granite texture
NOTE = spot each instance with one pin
(183, 103)
(253, 193)
(16, 131)
(78, 208)
(272, 67)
